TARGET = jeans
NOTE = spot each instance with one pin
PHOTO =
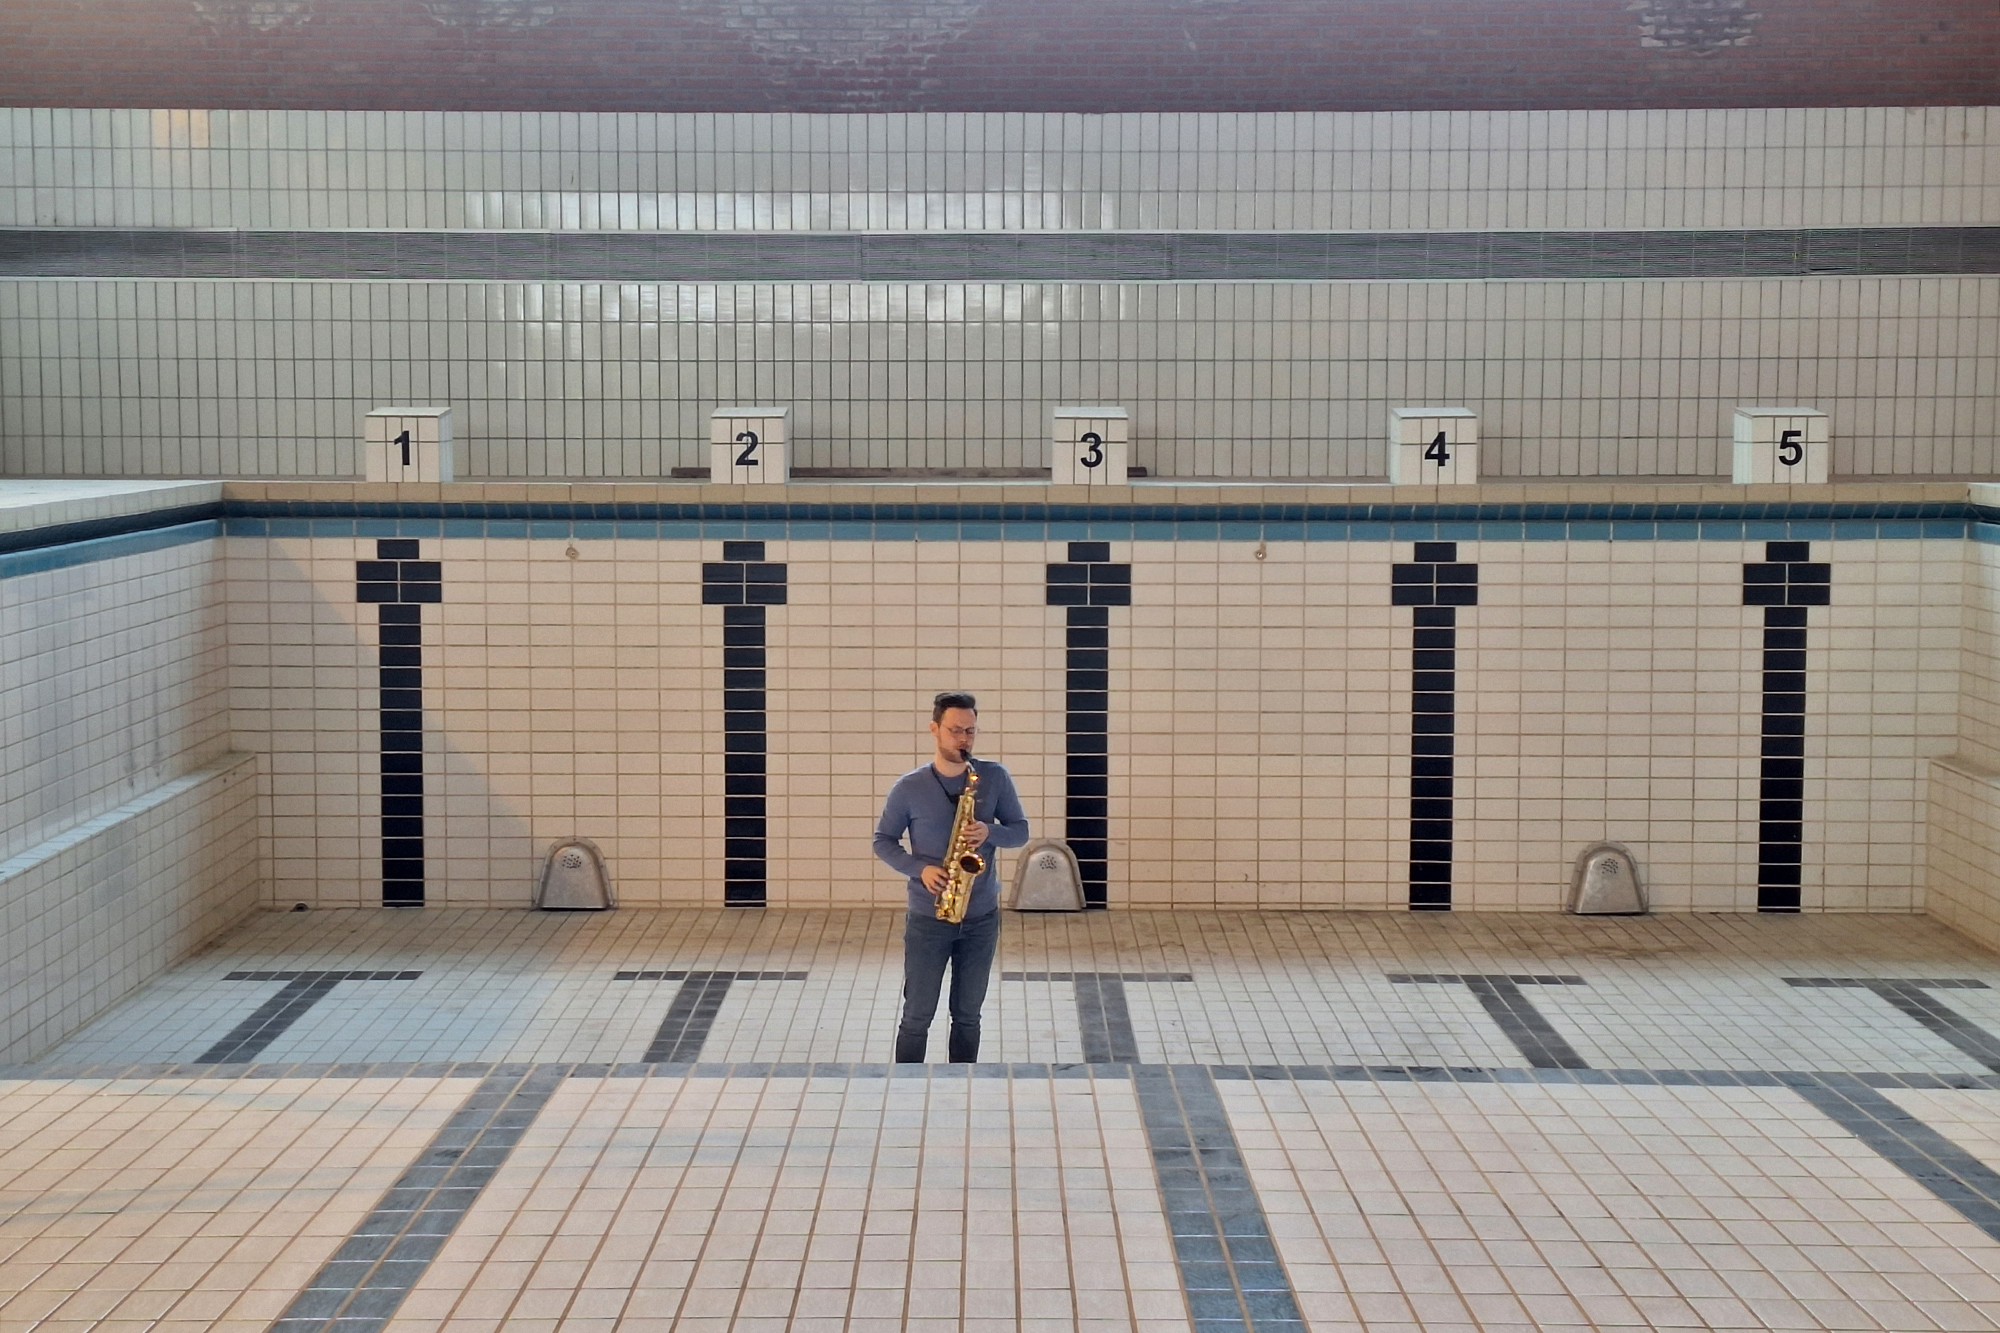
(928, 945)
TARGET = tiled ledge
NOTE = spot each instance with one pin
(1150, 492)
(27, 504)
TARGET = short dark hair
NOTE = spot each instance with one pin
(952, 699)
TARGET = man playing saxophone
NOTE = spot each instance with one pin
(926, 806)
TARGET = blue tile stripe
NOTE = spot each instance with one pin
(1096, 257)
(66, 554)
(977, 521)
(64, 534)
(56, 1071)
(39, 549)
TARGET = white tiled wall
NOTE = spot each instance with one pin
(113, 679)
(1963, 846)
(1233, 380)
(90, 915)
(1260, 715)
(1777, 167)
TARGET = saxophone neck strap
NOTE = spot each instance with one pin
(949, 794)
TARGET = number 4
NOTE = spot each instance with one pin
(1435, 451)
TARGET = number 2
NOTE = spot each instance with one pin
(1790, 450)
(1436, 452)
(1094, 456)
(748, 458)
(404, 440)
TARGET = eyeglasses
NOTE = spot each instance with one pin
(961, 733)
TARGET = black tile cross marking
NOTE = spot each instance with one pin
(1088, 586)
(1539, 1043)
(691, 1015)
(1910, 996)
(1784, 585)
(269, 1020)
(360, 1288)
(1228, 1263)
(743, 585)
(1434, 585)
(1101, 1013)
(399, 586)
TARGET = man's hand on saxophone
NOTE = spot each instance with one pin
(934, 877)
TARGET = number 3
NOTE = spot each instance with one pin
(1095, 455)
(748, 458)
(1790, 450)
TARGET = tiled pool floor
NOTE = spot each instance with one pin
(649, 1120)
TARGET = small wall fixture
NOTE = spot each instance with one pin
(1048, 880)
(1606, 883)
(574, 879)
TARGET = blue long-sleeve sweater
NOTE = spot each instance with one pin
(922, 804)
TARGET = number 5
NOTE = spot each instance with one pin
(1790, 450)
(1095, 455)
(748, 458)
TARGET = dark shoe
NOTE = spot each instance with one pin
(912, 1047)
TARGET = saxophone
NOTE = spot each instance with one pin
(962, 865)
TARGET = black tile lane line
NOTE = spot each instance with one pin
(1433, 585)
(362, 1285)
(1087, 586)
(1911, 996)
(1500, 993)
(1228, 1262)
(302, 990)
(1926, 1156)
(399, 585)
(744, 584)
(692, 1013)
(1785, 584)
(1101, 1012)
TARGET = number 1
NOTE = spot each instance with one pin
(1436, 452)
(748, 458)
(1790, 450)
(404, 440)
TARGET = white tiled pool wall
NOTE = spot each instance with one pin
(264, 377)
(128, 837)
(1964, 797)
(1260, 714)
(114, 678)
